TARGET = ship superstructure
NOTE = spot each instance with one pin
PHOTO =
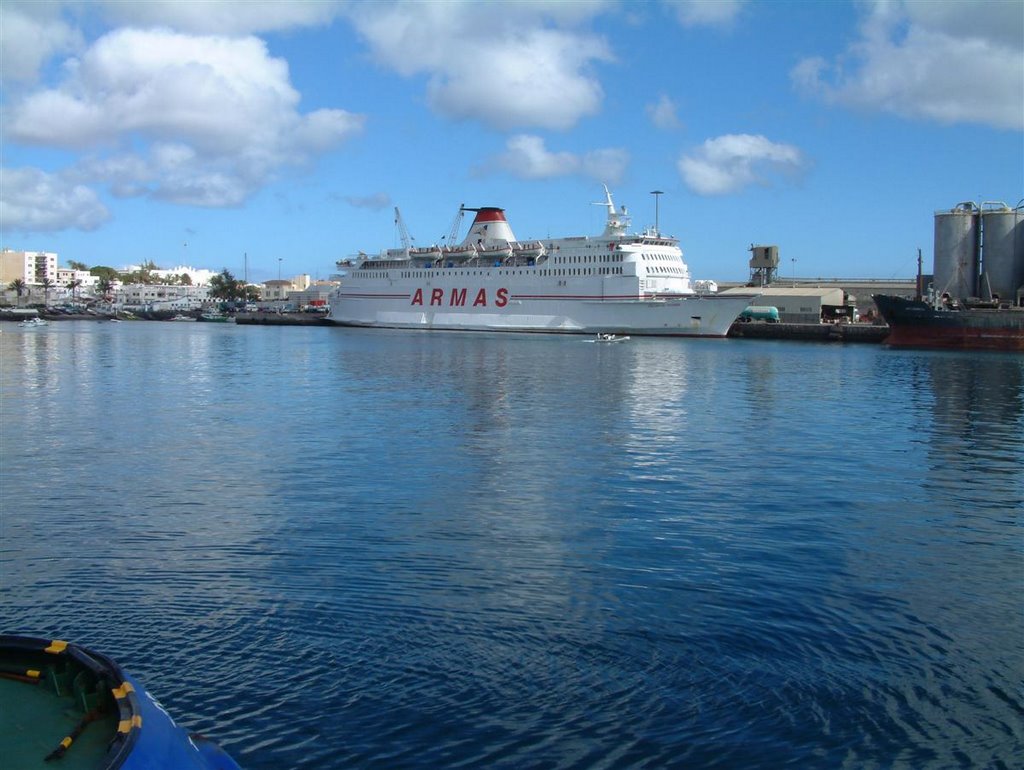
(491, 281)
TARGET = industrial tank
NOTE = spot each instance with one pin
(1002, 265)
(957, 237)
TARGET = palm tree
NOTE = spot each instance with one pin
(47, 284)
(225, 286)
(104, 285)
(19, 286)
(74, 289)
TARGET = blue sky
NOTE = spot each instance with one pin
(199, 132)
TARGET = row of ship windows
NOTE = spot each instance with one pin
(611, 257)
(543, 271)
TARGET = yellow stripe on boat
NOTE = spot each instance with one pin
(123, 690)
(56, 647)
(127, 724)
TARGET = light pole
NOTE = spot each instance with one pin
(657, 197)
(279, 268)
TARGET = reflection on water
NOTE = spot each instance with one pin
(337, 548)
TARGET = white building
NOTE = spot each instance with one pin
(161, 297)
(32, 267)
(317, 295)
(66, 275)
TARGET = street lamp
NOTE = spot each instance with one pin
(279, 268)
(657, 196)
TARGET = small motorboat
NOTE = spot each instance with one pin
(61, 701)
(606, 337)
(33, 323)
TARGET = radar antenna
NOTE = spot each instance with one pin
(616, 223)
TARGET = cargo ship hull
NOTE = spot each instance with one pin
(915, 323)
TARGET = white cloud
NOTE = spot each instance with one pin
(732, 162)
(663, 113)
(706, 13)
(951, 62)
(34, 201)
(607, 165)
(212, 118)
(30, 33)
(226, 17)
(528, 158)
(507, 65)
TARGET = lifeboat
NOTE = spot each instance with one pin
(463, 252)
(430, 252)
(500, 250)
(529, 250)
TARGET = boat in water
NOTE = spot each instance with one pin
(33, 323)
(615, 283)
(62, 705)
(951, 324)
(602, 337)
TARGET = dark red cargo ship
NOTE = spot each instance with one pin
(963, 326)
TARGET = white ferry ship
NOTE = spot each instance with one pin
(617, 282)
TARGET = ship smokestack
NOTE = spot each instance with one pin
(489, 227)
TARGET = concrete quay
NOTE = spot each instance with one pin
(858, 332)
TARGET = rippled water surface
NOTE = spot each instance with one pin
(332, 548)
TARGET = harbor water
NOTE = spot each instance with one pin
(331, 548)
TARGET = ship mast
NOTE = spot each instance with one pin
(616, 224)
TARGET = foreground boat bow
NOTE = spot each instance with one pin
(61, 701)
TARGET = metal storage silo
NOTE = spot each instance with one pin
(1018, 253)
(1002, 270)
(957, 236)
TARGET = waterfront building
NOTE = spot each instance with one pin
(32, 267)
(161, 296)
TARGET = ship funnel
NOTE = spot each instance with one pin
(489, 228)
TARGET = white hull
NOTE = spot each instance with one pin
(395, 307)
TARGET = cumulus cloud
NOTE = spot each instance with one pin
(34, 201)
(226, 17)
(732, 162)
(516, 65)
(527, 157)
(706, 13)
(663, 113)
(31, 33)
(951, 62)
(209, 119)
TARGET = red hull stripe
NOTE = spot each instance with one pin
(536, 297)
